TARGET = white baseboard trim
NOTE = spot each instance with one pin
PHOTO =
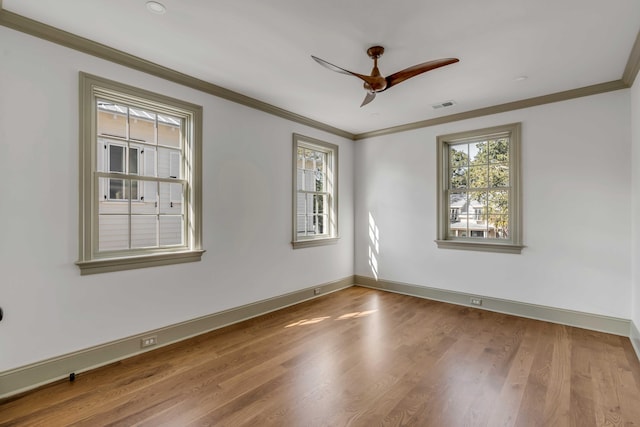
(611, 325)
(635, 338)
(28, 377)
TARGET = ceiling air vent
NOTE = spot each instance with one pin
(444, 104)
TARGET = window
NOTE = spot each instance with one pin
(140, 178)
(315, 192)
(479, 190)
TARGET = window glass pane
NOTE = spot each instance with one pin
(320, 181)
(458, 201)
(499, 151)
(117, 189)
(457, 208)
(309, 159)
(498, 201)
(169, 131)
(301, 208)
(477, 207)
(147, 202)
(113, 232)
(306, 219)
(321, 224)
(478, 199)
(320, 161)
(499, 175)
(142, 125)
(171, 230)
(308, 180)
(144, 231)
(170, 198)
(169, 163)
(478, 177)
(458, 177)
(112, 119)
(116, 158)
(134, 194)
(319, 204)
(134, 160)
(148, 162)
(311, 225)
(122, 189)
(458, 229)
(299, 179)
(459, 155)
(108, 205)
(478, 154)
(499, 226)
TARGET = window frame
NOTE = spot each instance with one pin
(512, 245)
(301, 141)
(90, 260)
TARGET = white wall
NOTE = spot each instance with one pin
(635, 141)
(576, 171)
(49, 308)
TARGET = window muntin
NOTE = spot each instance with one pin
(315, 185)
(479, 190)
(140, 222)
(140, 203)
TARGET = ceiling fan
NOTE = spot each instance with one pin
(376, 82)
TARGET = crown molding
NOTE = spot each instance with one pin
(633, 64)
(502, 108)
(72, 41)
(81, 44)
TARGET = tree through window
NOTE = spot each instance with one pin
(479, 193)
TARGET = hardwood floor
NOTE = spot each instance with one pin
(358, 357)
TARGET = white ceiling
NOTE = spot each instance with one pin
(263, 48)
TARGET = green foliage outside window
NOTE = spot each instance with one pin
(479, 173)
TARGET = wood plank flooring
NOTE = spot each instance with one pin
(358, 357)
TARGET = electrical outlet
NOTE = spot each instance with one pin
(148, 341)
(476, 301)
(317, 291)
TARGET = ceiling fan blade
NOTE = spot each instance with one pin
(407, 73)
(331, 66)
(367, 79)
(368, 98)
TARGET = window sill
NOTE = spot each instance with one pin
(314, 242)
(129, 263)
(506, 248)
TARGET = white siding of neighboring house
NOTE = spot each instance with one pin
(147, 230)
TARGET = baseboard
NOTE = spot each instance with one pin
(34, 375)
(635, 338)
(611, 325)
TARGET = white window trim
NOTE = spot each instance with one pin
(332, 149)
(90, 261)
(513, 245)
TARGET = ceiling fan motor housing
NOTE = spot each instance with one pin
(375, 52)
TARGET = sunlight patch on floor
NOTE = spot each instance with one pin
(356, 314)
